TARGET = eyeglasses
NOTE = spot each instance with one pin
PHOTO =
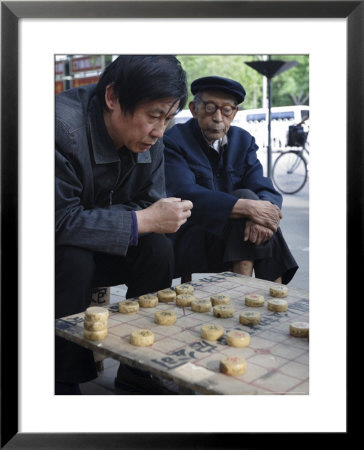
(211, 108)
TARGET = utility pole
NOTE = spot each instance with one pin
(264, 88)
(270, 68)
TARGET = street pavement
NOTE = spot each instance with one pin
(295, 229)
(294, 225)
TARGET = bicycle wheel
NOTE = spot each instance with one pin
(289, 172)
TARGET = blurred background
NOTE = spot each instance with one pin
(289, 89)
(284, 90)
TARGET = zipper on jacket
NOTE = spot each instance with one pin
(111, 194)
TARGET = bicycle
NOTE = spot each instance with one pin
(290, 169)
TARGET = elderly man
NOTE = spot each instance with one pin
(111, 214)
(236, 215)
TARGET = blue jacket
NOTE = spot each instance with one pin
(195, 172)
(97, 186)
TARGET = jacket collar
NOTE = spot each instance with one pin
(143, 158)
(102, 145)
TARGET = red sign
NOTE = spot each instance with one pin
(59, 87)
(85, 63)
(76, 82)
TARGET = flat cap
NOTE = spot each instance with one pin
(219, 83)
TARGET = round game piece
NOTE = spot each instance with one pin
(142, 338)
(220, 299)
(277, 305)
(223, 311)
(96, 314)
(148, 301)
(91, 325)
(165, 317)
(299, 329)
(184, 289)
(95, 335)
(166, 295)
(212, 332)
(254, 300)
(233, 366)
(278, 291)
(128, 306)
(201, 305)
(237, 338)
(184, 299)
(249, 318)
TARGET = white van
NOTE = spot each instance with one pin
(255, 121)
(182, 116)
(295, 113)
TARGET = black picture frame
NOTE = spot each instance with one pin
(11, 12)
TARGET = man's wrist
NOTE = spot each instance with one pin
(133, 241)
(242, 208)
(145, 224)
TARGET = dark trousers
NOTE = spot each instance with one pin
(146, 268)
(272, 259)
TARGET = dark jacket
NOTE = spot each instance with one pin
(195, 172)
(97, 186)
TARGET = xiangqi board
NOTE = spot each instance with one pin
(276, 361)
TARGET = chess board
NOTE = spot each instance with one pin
(277, 363)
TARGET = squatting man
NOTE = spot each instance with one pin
(236, 214)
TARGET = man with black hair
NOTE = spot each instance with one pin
(236, 215)
(111, 210)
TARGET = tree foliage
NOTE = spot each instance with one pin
(292, 87)
(288, 88)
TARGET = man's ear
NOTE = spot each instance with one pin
(111, 99)
(192, 106)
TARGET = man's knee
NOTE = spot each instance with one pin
(74, 263)
(154, 251)
(150, 265)
(246, 193)
(157, 246)
(73, 279)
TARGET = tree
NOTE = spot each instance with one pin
(289, 88)
(292, 86)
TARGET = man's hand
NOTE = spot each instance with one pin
(266, 214)
(257, 234)
(261, 212)
(164, 216)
